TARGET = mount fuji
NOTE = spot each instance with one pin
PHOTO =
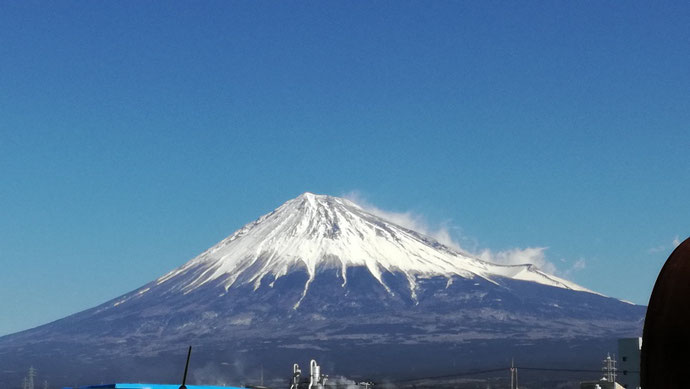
(322, 277)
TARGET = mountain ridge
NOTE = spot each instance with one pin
(287, 286)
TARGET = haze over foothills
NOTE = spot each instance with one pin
(133, 136)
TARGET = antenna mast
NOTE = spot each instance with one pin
(186, 366)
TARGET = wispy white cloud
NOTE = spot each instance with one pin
(578, 265)
(666, 247)
(658, 249)
(451, 236)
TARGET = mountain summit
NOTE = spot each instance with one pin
(321, 277)
(318, 232)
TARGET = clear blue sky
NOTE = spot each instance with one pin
(135, 134)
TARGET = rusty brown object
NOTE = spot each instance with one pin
(665, 359)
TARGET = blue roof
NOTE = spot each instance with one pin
(152, 386)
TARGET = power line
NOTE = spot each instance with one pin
(468, 373)
(476, 372)
(495, 370)
(566, 370)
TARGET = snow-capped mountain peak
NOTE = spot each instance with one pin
(316, 232)
(321, 275)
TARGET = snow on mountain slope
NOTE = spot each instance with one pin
(316, 232)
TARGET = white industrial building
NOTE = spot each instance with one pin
(629, 350)
(601, 384)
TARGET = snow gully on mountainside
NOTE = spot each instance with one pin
(317, 232)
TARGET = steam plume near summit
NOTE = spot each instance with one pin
(451, 235)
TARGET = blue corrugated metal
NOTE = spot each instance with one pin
(151, 386)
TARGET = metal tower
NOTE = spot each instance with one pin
(513, 375)
(32, 374)
(609, 368)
